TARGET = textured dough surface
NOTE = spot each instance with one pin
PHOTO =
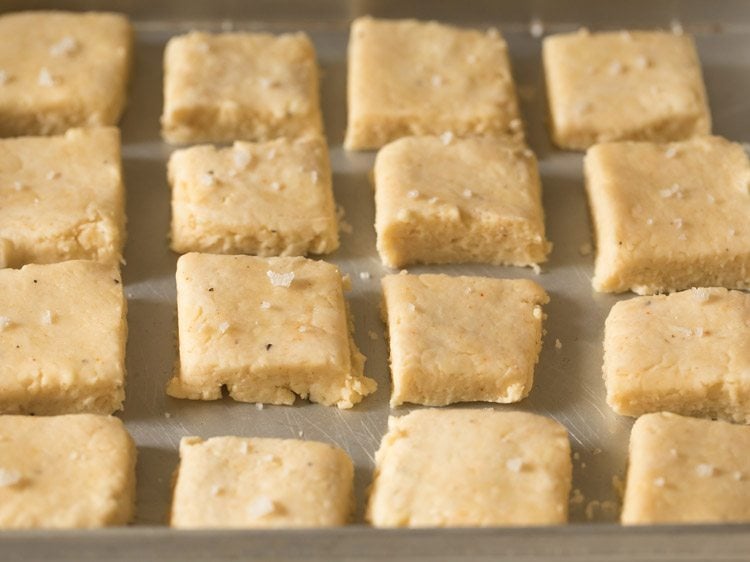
(408, 77)
(639, 85)
(66, 472)
(62, 198)
(240, 86)
(62, 339)
(268, 329)
(269, 199)
(454, 468)
(262, 483)
(686, 470)
(670, 216)
(61, 70)
(686, 353)
(461, 339)
(467, 200)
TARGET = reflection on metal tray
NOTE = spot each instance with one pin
(568, 383)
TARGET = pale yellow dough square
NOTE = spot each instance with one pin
(62, 69)
(461, 339)
(65, 472)
(670, 216)
(627, 85)
(475, 468)
(62, 339)
(240, 86)
(454, 201)
(267, 329)
(268, 199)
(408, 77)
(686, 470)
(686, 353)
(62, 198)
(261, 483)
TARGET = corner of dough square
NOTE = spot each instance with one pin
(240, 86)
(471, 468)
(454, 201)
(62, 198)
(267, 329)
(62, 339)
(671, 216)
(687, 470)
(65, 472)
(462, 339)
(60, 70)
(262, 483)
(627, 85)
(268, 199)
(686, 353)
(408, 77)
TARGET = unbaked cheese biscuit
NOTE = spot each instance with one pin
(268, 329)
(240, 86)
(61, 69)
(66, 472)
(639, 85)
(269, 199)
(686, 470)
(440, 200)
(461, 339)
(476, 468)
(408, 77)
(670, 216)
(62, 339)
(686, 353)
(261, 483)
(62, 198)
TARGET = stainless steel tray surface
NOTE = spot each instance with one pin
(568, 384)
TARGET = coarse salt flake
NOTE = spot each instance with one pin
(5, 322)
(302, 329)
(641, 63)
(412, 307)
(314, 176)
(674, 189)
(659, 482)
(259, 405)
(705, 470)
(223, 327)
(3, 77)
(208, 179)
(649, 221)
(537, 312)
(64, 46)
(701, 294)
(216, 490)
(47, 317)
(244, 448)
(558, 343)
(677, 223)
(676, 27)
(615, 67)
(412, 194)
(514, 465)
(737, 475)
(17, 185)
(280, 279)
(468, 193)
(446, 138)
(241, 157)
(9, 477)
(45, 78)
(265, 305)
(53, 175)
(276, 186)
(536, 28)
(536, 269)
(436, 80)
(372, 335)
(364, 275)
(272, 154)
(671, 152)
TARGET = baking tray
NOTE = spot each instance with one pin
(568, 384)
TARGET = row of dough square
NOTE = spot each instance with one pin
(78, 471)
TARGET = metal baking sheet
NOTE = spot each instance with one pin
(568, 384)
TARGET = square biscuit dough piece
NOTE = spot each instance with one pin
(60, 70)
(267, 329)
(408, 77)
(268, 199)
(475, 468)
(62, 198)
(262, 483)
(440, 200)
(638, 85)
(686, 353)
(687, 470)
(668, 217)
(62, 339)
(240, 86)
(461, 339)
(65, 472)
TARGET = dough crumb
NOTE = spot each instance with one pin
(558, 343)
(536, 28)
(372, 335)
(259, 405)
(585, 249)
